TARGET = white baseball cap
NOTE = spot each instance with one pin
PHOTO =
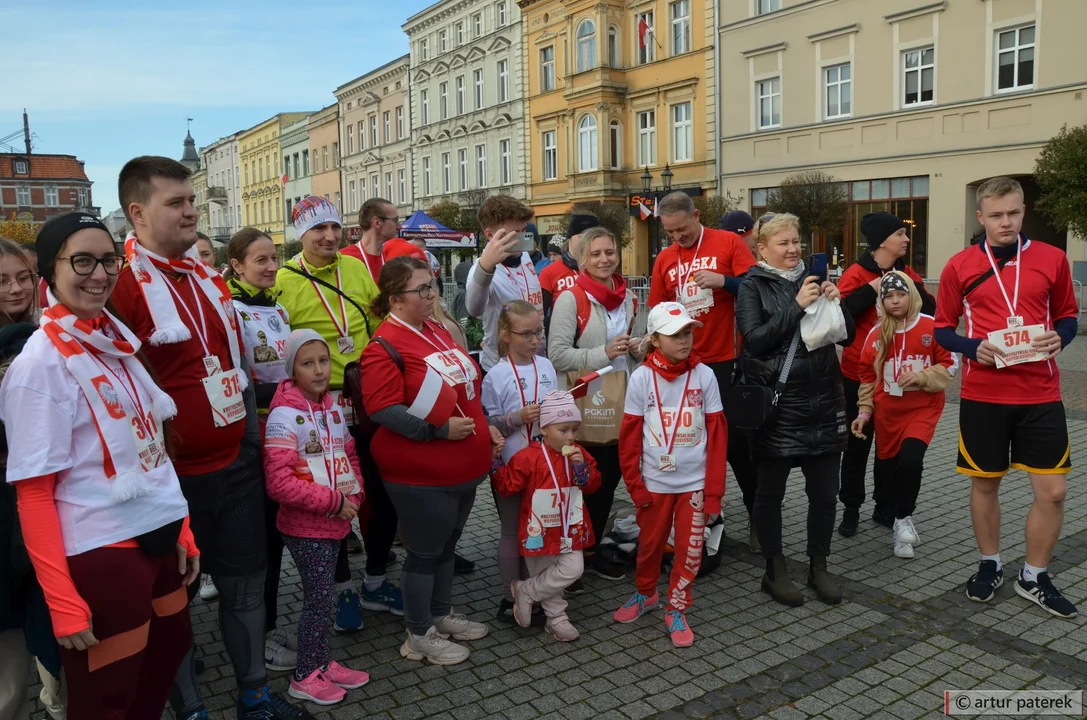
(668, 318)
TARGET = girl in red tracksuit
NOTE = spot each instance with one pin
(312, 471)
(904, 372)
(672, 449)
(551, 476)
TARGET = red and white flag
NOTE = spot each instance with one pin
(590, 383)
(431, 404)
(643, 30)
(656, 209)
(645, 212)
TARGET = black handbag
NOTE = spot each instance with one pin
(753, 407)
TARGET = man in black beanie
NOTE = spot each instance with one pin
(859, 285)
(559, 276)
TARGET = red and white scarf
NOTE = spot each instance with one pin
(76, 340)
(169, 328)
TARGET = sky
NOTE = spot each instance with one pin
(107, 80)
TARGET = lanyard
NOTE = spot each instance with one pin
(445, 350)
(341, 331)
(898, 354)
(680, 277)
(564, 505)
(535, 395)
(524, 276)
(679, 413)
(133, 394)
(1014, 301)
(201, 330)
(330, 468)
(366, 260)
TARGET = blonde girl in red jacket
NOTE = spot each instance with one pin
(904, 373)
(551, 475)
(672, 449)
(312, 471)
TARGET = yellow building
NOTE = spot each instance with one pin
(615, 87)
(910, 104)
(262, 175)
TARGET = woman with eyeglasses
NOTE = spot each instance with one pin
(433, 448)
(101, 507)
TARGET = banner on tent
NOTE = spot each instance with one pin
(442, 238)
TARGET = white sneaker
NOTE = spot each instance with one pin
(208, 591)
(903, 550)
(277, 656)
(433, 648)
(286, 638)
(905, 532)
(460, 627)
(562, 630)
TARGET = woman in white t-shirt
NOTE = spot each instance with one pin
(103, 516)
(511, 394)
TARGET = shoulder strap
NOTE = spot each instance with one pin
(333, 288)
(783, 378)
(1000, 263)
(394, 354)
(584, 310)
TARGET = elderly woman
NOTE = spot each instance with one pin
(103, 515)
(591, 326)
(809, 428)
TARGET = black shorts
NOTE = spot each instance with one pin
(1034, 437)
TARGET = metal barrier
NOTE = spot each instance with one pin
(1080, 298)
(639, 285)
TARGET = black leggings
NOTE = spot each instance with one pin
(599, 503)
(821, 486)
(855, 460)
(904, 470)
(739, 445)
(383, 520)
(275, 564)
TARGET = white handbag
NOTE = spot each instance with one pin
(823, 324)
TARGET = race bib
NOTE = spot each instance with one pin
(890, 386)
(695, 298)
(346, 482)
(451, 365)
(690, 426)
(1015, 342)
(344, 403)
(545, 506)
(151, 450)
(224, 391)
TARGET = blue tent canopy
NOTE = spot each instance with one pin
(436, 235)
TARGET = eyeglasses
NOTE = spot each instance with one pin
(86, 264)
(528, 335)
(425, 292)
(23, 280)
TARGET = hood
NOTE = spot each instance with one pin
(460, 272)
(248, 294)
(915, 297)
(288, 394)
(868, 262)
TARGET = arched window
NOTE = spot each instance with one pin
(586, 46)
(613, 47)
(587, 144)
(615, 145)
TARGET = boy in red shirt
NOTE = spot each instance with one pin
(1021, 311)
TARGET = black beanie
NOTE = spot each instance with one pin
(581, 223)
(879, 226)
(54, 232)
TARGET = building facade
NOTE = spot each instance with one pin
(323, 128)
(614, 88)
(296, 168)
(262, 184)
(37, 187)
(199, 180)
(375, 138)
(467, 101)
(911, 106)
(222, 161)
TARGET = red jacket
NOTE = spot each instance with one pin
(528, 474)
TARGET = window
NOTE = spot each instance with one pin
(481, 166)
(350, 139)
(260, 169)
(262, 211)
(247, 173)
(51, 196)
(477, 25)
(769, 103)
(459, 33)
(682, 133)
(1015, 59)
(460, 95)
(550, 156)
(615, 143)
(647, 138)
(389, 186)
(387, 118)
(462, 163)
(443, 104)
(681, 27)
(351, 197)
(547, 69)
(613, 47)
(305, 165)
(401, 191)
(335, 154)
(426, 176)
(443, 43)
(22, 196)
(336, 203)
(324, 157)
(424, 106)
(477, 81)
(445, 172)
(400, 122)
(362, 133)
(500, 13)
(839, 93)
(767, 6)
(373, 184)
(503, 81)
(423, 47)
(647, 43)
(505, 159)
(587, 144)
(918, 76)
(586, 46)
(82, 193)
(286, 166)
(21, 168)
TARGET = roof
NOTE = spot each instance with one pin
(44, 167)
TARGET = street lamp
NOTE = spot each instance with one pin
(647, 180)
(666, 178)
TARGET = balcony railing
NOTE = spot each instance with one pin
(217, 194)
(89, 209)
(220, 233)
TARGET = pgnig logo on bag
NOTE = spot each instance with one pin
(1013, 702)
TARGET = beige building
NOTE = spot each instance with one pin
(375, 136)
(324, 143)
(262, 182)
(910, 103)
(199, 180)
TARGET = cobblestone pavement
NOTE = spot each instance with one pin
(904, 633)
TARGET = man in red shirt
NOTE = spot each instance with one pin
(1021, 311)
(859, 286)
(379, 223)
(702, 269)
(560, 276)
(184, 316)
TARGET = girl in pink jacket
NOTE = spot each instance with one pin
(313, 473)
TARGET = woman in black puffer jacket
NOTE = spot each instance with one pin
(809, 429)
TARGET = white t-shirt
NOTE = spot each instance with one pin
(501, 395)
(264, 333)
(689, 450)
(50, 429)
(507, 284)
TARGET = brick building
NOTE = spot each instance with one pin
(43, 185)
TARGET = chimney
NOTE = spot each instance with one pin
(26, 130)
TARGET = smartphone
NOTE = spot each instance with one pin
(817, 266)
(526, 243)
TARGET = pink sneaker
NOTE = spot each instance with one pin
(317, 689)
(522, 605)
(678, 629)
(637, 606)
(346, 678)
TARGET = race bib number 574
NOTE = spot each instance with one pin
(1015, 342)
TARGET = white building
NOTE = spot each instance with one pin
(220, 159)
(467, 107)
(295, 146)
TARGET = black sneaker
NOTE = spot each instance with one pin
(1045, 595)
(983, 584)
(271, 706)
(576, 587)
(354, 545)
(462, 565)
(884, 518)
(602, 567)
(505, 614)
(391, 560)
(850, 518)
